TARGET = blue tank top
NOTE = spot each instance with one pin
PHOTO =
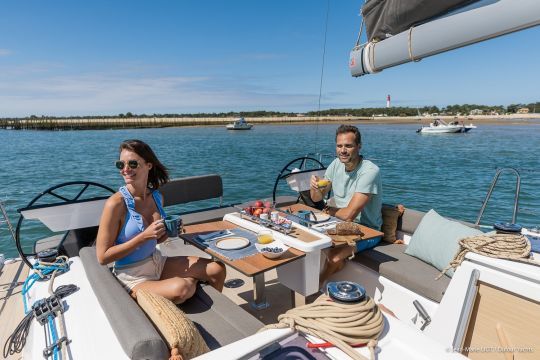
(133, 225)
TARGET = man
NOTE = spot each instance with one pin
(356, 184)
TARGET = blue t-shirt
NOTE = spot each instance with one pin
(364, 179)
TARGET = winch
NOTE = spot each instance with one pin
(507, 228)
(346, 291)
(47, 255)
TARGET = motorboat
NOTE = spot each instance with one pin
(467, 128)
(440, 127)
(464, 128)
(239, 124)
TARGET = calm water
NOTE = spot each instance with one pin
(450, 173)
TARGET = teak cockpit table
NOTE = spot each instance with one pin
(297, 270)
(253, 266)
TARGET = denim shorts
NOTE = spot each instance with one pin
(148, 269)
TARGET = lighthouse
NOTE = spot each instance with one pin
(387, 101)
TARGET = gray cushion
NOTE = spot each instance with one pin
(135, 333)
(219, 320)
(193, 188)
(410, 220)
(206, 215)
(392, 263)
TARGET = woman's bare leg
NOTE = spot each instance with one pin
(180, 275)
(196, 268)
(176, 289)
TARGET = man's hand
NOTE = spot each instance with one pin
(313, 182)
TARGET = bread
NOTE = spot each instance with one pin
(346, 228)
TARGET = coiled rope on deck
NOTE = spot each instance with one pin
(342, 324)
(501, 246)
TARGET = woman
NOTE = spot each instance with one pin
(131, 226)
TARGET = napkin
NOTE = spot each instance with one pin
(213, 235)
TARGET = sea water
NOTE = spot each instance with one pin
(449, 173)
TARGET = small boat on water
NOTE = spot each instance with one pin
(239, 124)
(440, 127)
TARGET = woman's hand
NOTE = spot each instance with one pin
(155, 230)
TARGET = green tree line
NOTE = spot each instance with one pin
(464, 109)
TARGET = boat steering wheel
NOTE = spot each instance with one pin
(69, 193)
(302, 164)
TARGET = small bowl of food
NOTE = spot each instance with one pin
(272, 250)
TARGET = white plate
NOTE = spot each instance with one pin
(319, 216)
(232, 243)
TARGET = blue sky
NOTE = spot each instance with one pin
(109, 57)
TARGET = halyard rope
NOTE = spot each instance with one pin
(501, 246)
(338, 323)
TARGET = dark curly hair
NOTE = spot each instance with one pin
(343, 129)
(158, 174)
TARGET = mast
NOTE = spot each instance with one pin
(477, 22)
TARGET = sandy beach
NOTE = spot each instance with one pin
(157, 122)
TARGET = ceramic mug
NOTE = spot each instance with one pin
(173, 223)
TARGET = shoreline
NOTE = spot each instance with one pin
(131, 123)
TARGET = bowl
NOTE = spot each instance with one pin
(272, 250)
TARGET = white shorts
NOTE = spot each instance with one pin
(145, 270)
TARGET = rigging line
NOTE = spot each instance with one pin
(357, 44)
(322, 75)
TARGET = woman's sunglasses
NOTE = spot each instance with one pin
(121, 164)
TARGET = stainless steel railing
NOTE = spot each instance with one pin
(490, 191)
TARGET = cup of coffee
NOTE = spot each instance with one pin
(173, 224)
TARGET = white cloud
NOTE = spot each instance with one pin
(5, 52)
(102, 94)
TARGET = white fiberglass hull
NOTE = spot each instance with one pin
(440, 130)
(234, 127)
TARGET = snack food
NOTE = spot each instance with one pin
(346, 228)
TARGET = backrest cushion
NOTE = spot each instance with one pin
(178, 331)
(136, 335)
(410, 221)
(391, 216)
(436, 240)
(193, 188)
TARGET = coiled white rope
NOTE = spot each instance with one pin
(342, 324)
(501, 246)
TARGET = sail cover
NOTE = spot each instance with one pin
(384, 18)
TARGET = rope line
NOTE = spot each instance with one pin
(322, 76)
(500, 246)
(344, 325)
(42, 270)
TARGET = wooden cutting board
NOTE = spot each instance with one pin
(344, 239)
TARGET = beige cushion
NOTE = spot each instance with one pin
(177, 330)
(390, 216)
